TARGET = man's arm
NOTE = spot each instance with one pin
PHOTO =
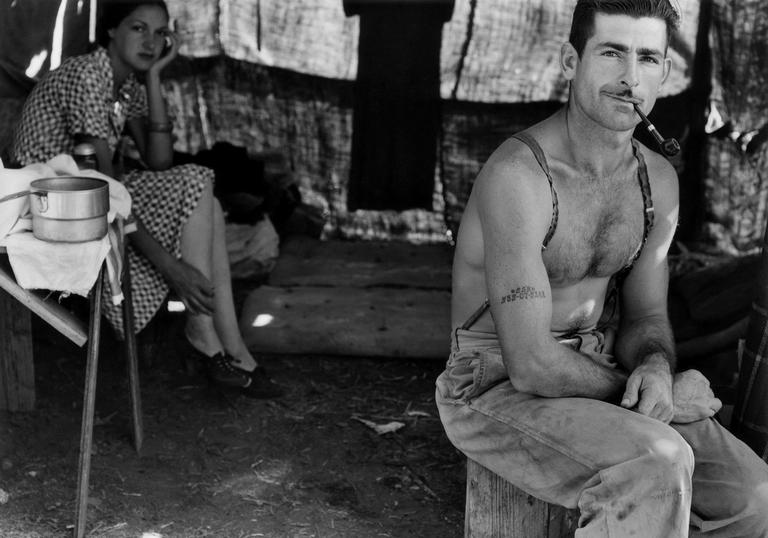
(514, 204)
(645, 344)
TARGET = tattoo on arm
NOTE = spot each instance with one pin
(522, 293)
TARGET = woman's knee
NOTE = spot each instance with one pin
(205, 204)
(207, 187)
(218, 211)
(197, 177)
(203, 173)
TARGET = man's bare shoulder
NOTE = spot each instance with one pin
(511, 166)
(662, 176)
(657, 164)
(510, 196)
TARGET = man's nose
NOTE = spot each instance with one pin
(629, 77)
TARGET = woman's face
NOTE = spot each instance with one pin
(137, 42)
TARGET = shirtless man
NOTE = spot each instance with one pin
(542, 386)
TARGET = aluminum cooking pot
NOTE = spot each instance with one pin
(69, 209)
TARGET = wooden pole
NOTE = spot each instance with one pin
(89, 407)
(132, 357)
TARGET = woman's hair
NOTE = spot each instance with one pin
(112, 12)
(583, 24)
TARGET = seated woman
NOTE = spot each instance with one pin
(180, 242)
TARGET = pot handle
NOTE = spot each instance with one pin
(43, 200)
(14, 196)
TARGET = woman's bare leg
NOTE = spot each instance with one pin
(225, 317)
(197, 250)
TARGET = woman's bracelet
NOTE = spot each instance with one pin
(160, 127)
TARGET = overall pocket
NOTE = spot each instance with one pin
(470, 373)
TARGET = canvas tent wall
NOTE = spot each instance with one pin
(277, 74)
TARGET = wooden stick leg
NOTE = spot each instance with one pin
(132, 359)
(17, 371)
(89, 404)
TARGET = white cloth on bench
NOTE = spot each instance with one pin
(66, 267)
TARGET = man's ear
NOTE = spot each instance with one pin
(111, 33)
(569, 60)
(667, 69)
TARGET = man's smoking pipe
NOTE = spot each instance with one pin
(669, 146)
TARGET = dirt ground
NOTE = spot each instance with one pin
(305, 465)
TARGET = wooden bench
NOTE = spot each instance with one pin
(497, 509)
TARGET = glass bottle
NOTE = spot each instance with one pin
(85, 156)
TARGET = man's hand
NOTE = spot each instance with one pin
(693, 398)
(649, 389)
(192, 287)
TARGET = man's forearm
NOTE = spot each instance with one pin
(562, 372)
(643, 339)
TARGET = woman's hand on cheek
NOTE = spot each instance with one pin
(170, 51)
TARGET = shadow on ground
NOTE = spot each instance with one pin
(225, 466)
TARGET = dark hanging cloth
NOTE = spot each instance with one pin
(749, 421)
(396, 115)
(26, 30)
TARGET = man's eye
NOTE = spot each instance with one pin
(649, 59)
(611, 53)
(138, 28)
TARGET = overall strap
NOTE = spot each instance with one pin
(476, 315)
(648, 218)
(648, 211)
(645, 189)
(538, 153)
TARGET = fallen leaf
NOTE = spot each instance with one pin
(381, 429)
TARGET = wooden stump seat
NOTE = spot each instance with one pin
(497, 509)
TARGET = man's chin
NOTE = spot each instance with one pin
(619, 125)
(622, 121)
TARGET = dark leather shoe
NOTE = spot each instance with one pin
(261, 385)
(220, 370)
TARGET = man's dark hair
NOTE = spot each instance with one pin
(583, 23)
(112, 12)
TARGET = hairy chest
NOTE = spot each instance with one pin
(599, 230)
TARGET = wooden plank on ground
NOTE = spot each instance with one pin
(311, 262)
(348, 321)
(17, 371)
